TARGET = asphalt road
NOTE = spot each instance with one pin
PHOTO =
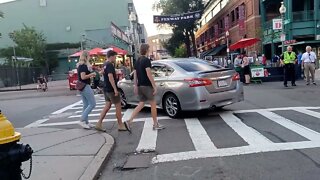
(273, 134)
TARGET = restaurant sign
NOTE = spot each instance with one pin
(176, 17)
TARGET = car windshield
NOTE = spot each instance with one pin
(199, 65)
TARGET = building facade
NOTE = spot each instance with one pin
(157, 51)
(226, 21)
(301, 25)
(88, 23)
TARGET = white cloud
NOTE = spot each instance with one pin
(145, 15)
(3, 1)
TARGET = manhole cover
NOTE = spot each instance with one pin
(138, 161)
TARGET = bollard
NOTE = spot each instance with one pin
(12, 154)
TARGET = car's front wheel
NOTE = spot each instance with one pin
(124, 103)
(172, 106)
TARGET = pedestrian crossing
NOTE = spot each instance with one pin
(198, 139)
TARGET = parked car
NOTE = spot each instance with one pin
(188, 84)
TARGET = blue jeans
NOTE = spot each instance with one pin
(89, 102)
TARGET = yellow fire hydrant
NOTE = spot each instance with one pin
(11, 153)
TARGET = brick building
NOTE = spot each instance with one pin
(240, 18)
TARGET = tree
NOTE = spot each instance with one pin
(32, 44)
(176, 40)
(180, 52)
(169, 7)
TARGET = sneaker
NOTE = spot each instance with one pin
(314, 83)
(294, 85)
(84, 125)
(99, 128)
(158, 127)
(308, 84)
(91, 125)
(285, 85)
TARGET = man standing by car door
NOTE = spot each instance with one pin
(111, 93)
(145, 87)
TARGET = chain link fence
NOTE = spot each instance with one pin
(14, 77)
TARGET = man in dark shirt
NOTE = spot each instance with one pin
(111, 93)
(145, 87)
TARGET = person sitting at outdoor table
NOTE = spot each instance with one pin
(246, 70)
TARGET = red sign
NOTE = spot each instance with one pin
(290, 42)
(242, 25)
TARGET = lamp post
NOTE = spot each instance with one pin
(133, 20)
(282, 11)
(228, 50)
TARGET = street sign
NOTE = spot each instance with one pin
(282, 37)
(277, 24)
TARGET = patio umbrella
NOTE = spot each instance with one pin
(244, 43)
(77, 54)
(95, 51)
(116, 49)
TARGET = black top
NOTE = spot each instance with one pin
(83, 68)
(140, 66)
(109, 68)
(282, 56)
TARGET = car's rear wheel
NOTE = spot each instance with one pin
(124, 103)
(171, 105)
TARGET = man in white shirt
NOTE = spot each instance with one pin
(308, 63)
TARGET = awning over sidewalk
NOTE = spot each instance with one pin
(301, 42)
(217, 50)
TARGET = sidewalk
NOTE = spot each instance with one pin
(66, 153)
(51, 85)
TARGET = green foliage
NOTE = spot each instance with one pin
(180, 52)
(175, 41)
(185, 28)
(30, 43)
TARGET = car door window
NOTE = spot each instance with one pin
(170, 70)
(158, 71)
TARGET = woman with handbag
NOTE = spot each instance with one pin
(83, 85)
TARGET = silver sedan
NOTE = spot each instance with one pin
(188, 84)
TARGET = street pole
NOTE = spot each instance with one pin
(15, 66)
(282, 11)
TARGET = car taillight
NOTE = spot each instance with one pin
(196, 82)
(236, 77)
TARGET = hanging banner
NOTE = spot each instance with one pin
(226, 23)
(242, 17)
(177, 17)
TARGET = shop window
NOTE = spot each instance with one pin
(237, 13)
(233, 19)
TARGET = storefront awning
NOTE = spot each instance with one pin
(217, 50)
(301, 42)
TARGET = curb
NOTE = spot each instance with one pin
(93, 170)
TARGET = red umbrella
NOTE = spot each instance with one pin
(77, 54)
(116, 49)
(244, 43)
(95, 51)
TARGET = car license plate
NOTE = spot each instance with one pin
(222, 83)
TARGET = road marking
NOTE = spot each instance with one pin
(37, 123)
(94, 121)
(81, 107)
(308, 112)
(274, 109)
(293, 126)
(66, 108)
(127, 114)
(234, 151)
(198, 135)
(91, 115)
(248, 134)
(148, 139)
(96, 110)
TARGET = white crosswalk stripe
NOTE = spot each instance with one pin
(204, 145)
